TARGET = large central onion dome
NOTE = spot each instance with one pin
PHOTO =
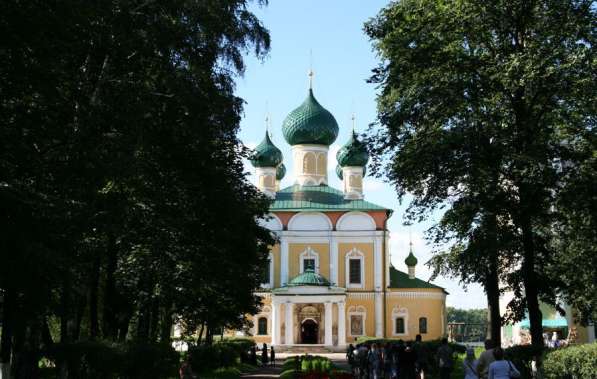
(266, 154)
(353, 153)
(310, 123)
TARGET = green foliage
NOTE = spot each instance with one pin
(225, 353)
(288, 374)
(102, 359)
(571, 362)
(223, 373)
(468, 316)
(522, 356)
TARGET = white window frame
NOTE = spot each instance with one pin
(309, 254)
(354, 254)
(357, 311)
(266, 326)
(271, 272)
(426, 325)
(399, 313)
(265, 312)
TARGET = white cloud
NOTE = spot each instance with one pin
(371, 185)
(251, 144)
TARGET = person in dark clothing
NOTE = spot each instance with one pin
(272, 356)
(253, 355)
(351, 358)
(387, 361)
(422, 356)
(407, 360)
(445, 359)
(264, 355)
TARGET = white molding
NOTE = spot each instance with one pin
(361, 295)
(341, 235)
(271, 222)
(357, 311)
(307, 298)
(265, 295)
(378, 314)
(310, 217)
(354, 221)
(283, 262)
(309, 253)
(417, 295)
(334, 260)
(399, 313)
(377, 262)
(354, 254)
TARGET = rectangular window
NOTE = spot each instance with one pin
(262, 326)
(265, 273)
(423, 325)
(399, 325)
(354, 271)
(308, 264)
(356, 325)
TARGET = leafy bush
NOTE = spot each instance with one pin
(150, 361)
(522, 357)
(225, 373)
(573, 362)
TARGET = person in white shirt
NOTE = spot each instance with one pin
(470, 365)
(501, 368)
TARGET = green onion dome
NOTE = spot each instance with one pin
(411, 260)
(353, 153)
(266, 154)
(280, 171)
(310, 123)
(339, 172)
(309, 278)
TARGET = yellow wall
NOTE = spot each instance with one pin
(296, 249)
(367, 250)
(431, 308)
(369, 305)
(261, 339)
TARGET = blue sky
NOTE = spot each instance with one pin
(342, 59)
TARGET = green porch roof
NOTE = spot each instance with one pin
(321, 198)
(309, 278)
(399, 279)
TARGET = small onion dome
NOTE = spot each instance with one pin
(309, 278)
(266, 154)
(339, 172)
(411, 260)
(310, 123)
(280, 171)
(353, 153)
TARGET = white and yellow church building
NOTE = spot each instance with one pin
(330, 279)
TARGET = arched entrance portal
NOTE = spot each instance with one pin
(309, 332)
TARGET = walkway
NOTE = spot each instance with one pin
(274, 372)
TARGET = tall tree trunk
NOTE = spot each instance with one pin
(110, 327)
(492, 284)
(8, 310)
(93, 298)
(529, 279)
(166, 323)
(200, 336)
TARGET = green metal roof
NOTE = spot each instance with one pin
(399, 279)
(353, 153)
(280, 171)
(309, 278)
(411, 260)
(310, 123)
(321, 198)
(266, 154)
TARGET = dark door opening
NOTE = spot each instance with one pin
(309, 332)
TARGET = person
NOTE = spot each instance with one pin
(374, 359)
(351, 353)
(387, 361)
(554, 340)
(407, 360)
(485, 359)
(272, 356)
(421, 351)
(445, 359)
(363, 360)
(253, 355)
(264, 354)
(470, 365)
(186, 372)
(501, 368)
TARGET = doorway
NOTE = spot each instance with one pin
(309, 332)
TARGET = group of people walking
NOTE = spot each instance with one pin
(401, 360)
(410, 361)
(490, 365)
(265, 357)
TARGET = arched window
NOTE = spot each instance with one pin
(321, 164)
(422, 325)
(309, 163)
(262, 326)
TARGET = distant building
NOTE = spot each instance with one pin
(330, 279)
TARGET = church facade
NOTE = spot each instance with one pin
(330, 279)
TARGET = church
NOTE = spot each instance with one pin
(330, 279)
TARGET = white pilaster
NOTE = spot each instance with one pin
(289, 311)
(387, 254)
(341, 324)
(334, 260)
(275, 324)
(377, 255)
(328, 324)
(284, 261)
(378, 315)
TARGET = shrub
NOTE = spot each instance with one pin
(150, 361)
(573, 362)
(522, 357)
(225, 373)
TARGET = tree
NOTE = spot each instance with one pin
(480, 103)
(123, 196)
